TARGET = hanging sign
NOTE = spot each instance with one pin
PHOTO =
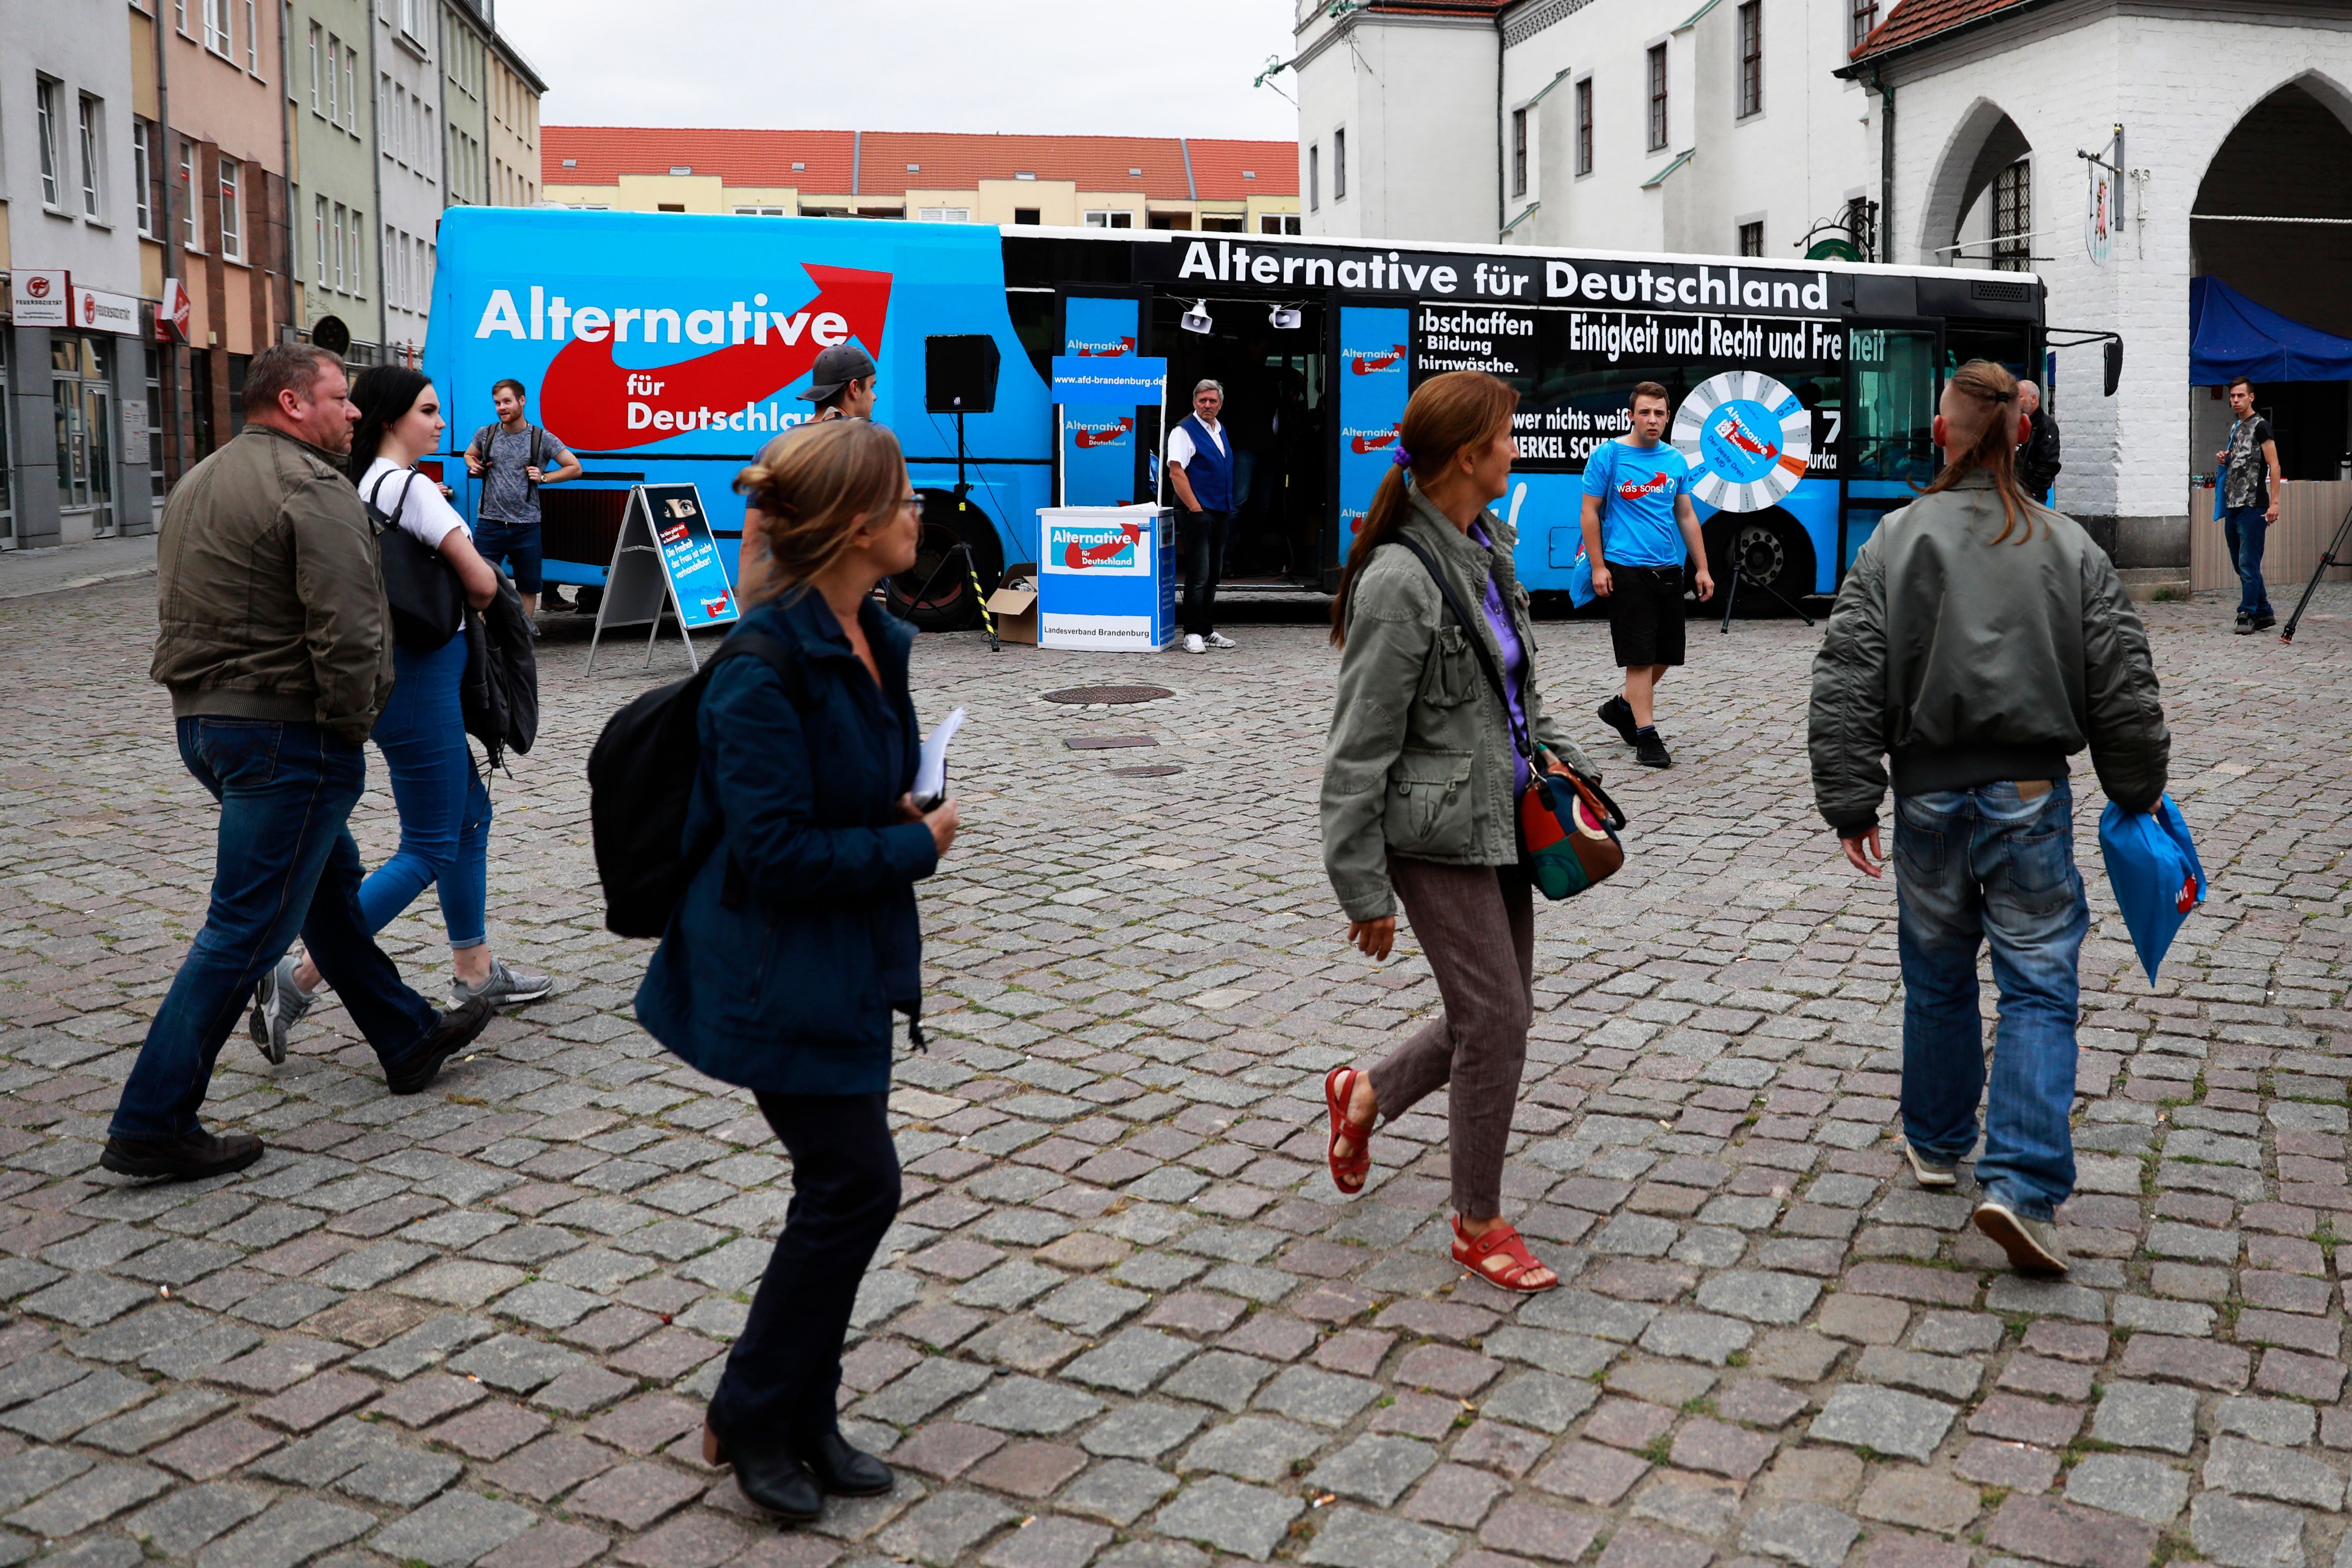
(95, 310)
(2099, 215)
(664, 561)
(173, 312)
(41, 297)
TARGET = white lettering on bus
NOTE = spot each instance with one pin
(551, 316)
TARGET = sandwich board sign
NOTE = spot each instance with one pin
(665, 559)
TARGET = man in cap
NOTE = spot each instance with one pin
(841, 384)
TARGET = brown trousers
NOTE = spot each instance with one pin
(1477, 925)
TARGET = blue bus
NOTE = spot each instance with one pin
(663, 347)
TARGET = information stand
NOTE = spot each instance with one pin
(1107, 578)
(665, 559)
(1102, 405)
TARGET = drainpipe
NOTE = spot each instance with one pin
(285, 159)
(1886, 163)
(375, 172)
(1502, 135)
(168, 232)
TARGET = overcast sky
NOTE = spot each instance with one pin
(1104, 67)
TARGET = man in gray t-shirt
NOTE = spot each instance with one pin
(512, 458)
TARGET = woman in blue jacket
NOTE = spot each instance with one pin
(798, 938)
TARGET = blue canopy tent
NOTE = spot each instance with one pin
(2229, 336)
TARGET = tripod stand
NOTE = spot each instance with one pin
(1731, 597)
(2331, 556)
(960, 547)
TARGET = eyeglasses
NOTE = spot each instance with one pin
(911, 503)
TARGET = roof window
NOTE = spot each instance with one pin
(681, 168)
(1025, 176)
(572, 163)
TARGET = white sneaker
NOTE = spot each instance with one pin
(1219, 639)
(1192, 643)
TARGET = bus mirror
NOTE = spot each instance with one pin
(1196, 319)
(2114, 347)
(1283, 318)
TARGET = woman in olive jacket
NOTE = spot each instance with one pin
(798, 938)
(1421, 776)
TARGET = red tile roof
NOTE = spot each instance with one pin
(1913, 21)
(941, 161)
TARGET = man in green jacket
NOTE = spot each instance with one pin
(276, 642)
(1979, 642)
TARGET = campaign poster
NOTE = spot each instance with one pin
(698, 576)
(1103, 579)
(1104, 431)
(1375, 378)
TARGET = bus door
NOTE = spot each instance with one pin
(1105, 454)
(1891, 386)
(1269, 355)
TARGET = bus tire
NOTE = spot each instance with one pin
(950, 604)
(1772, 547)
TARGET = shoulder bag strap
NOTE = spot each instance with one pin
(1519, 737)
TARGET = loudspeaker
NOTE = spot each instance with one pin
(959, 373)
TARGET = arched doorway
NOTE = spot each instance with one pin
(2283, 162)
(1980, 206)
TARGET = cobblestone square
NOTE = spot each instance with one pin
(1124, 1319)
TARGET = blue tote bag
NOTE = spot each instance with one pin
(2157, 879)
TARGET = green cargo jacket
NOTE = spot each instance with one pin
(1419, 758)
(270, 590)
(1946, 650)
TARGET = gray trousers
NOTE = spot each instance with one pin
(1477, 925)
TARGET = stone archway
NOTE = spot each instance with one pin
(1983, 142)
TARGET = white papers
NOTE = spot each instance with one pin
(931, 773)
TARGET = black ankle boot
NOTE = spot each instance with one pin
(846, 1472)
(774, 1481)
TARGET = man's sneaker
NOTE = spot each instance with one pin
(1650, 751)
(504, 986)
(1193, 644)
(1219, 639)
(2245, 624)
(1930, 1172)
(453, 1034)
(2266, 621)
(278, 1006)
(192, 1158)
(1618, 714)
(2032, 1244)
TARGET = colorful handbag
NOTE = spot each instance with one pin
(1568, 825)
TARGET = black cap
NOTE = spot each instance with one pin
(835, 368)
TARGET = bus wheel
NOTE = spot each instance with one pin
(1766, 551)
(936, 594)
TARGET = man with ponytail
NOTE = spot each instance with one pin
(1979, 642)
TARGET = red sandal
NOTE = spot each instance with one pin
(1500, 1258)
(1348, 1172)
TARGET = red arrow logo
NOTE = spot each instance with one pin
(1655, 483)
(1126, 346)
(588, 397)
(1364, 444)
(1365, 364)
(1105, 436)
(1079, 560)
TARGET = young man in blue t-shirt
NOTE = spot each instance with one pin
(1638, 529)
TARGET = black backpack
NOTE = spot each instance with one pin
(640, 779)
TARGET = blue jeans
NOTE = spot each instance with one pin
(2246, 531)
(445, 809)
(1977, 865)
(284, 862)
(514, 543)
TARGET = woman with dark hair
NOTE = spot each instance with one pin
(1421, 774)
(798, 937)
(445, 807)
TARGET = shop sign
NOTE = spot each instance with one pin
(96, 311)
(41, 297)
(174, 312)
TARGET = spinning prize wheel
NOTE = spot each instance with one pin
(1747, 440)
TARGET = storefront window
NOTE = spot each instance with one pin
(200, 405)
(83, 402)
(237, 365)
(155, 482)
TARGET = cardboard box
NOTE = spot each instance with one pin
(1014, 605)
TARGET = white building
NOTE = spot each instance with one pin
(409, 151)
(1926, 132)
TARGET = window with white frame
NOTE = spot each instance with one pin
(46, 94)
(358, 288)
(231, 209)
(192, 233)
(90, 117)
(1339, 165)
(1657, 97)
(351, 90)
(336, 227)
(1751, 58)
(216, 21)
(739, 212)
(944, 215)
(143, 174)
(412, 18)
(1109, 217)
(1519, 151)
(1584, 126)
(1865, 20)
(319, 237)
(252, 37)
(1278, 223)
(319, 46)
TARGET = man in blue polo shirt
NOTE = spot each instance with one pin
(1639, 528)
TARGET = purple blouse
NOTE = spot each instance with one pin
(1515, 663)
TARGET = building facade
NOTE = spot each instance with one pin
(511, 92)
(409, 167)
(70, 353)
(1109, 182)
(330, 115)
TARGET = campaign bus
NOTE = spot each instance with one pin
(666, 348)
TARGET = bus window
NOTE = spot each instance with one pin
(2003, 342)
(1893, 405)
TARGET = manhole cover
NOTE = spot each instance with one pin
(1107, 742)
(1158, 771)
(1108, 694)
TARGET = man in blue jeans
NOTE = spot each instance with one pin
(276, 642)
(512, 458)
(2249, 483)
(1979, 642)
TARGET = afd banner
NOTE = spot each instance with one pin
(698, 577)
(1103, 386)
(1375, 354)
(671, 348)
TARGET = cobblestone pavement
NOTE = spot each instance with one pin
(1124, 1319)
